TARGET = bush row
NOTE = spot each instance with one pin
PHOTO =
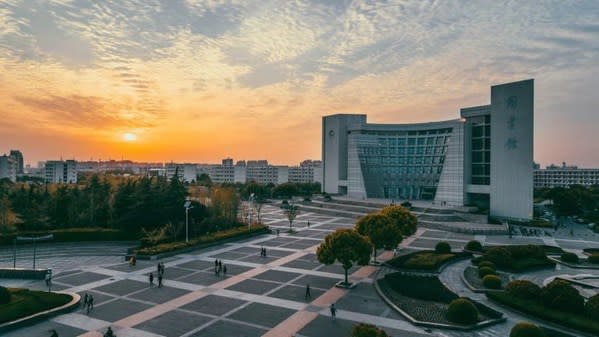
(206, 239)
(74, 235)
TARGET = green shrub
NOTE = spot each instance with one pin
(367, 330)
(474, 246)
(593, 259)
(4, 295)
(524, 289)
(525, 329)
(527, 251)
(443, 248)
(561, 295)
(484, 271)
(492, 281)
(427, 288)
(500, 256)
(569, 257)
(591, 308)
(487, 264)
(462, 311)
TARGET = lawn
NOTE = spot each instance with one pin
(25, 302)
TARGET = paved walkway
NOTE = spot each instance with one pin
(259, 296)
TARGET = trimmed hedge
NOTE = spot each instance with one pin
(524, 289)
(25, 302)
(210, 238)
(487, 264)
(569, 257)
(517, 258)
(367, 330)
(525, 329)
(484, 271)
(442, 248)
(561, 295)
(492, 282)
(74, 235)
(427, 288)
(474, 246)
(462, 311)
(593, 259)
(535, 308)
(591, 308)
(4, 295)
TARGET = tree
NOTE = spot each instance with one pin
(285, 190)
(291, 212)
(346, 246)
(204, 180)
(402, 217)
(258, 203)
(367, 330)
(381, 230)
(225, 203)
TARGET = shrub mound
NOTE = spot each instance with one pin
(593, 259)
(484, 271)
(499, 256)
(462, 311)
(525, 329)
(591, 308)
(561, 295)
(474, 246)
(524, 289)
(518, 258)
(422, 260)
(442, 248)
(4, 295)
(367, 330)
(569, 257)
(487, 264)
(492, 282)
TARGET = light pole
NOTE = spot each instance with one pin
(187, 206)
(251, 209)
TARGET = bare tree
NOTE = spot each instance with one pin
(292, 211)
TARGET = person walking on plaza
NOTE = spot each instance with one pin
(109, 333)
(308, 295)
(215, 264)
(225, 270)
(151, 277)
(85, 300)
(308, 224)
(54, 333)
(90, 304)
(333, 311)
(160, 280)
(278, 232)
(158, 268)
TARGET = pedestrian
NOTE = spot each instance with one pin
(151, 277)
(54, 333)
(158, 268)
(160, 280)
(278, 232)
(224, 270)
(215, 264)
(220, 264)
(308, 224)
(264, 252)
(308, 295)
(333, 311)
(90, 304)
(85, 299)
(109, 333)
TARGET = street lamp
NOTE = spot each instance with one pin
(187, 206)
(252, 196)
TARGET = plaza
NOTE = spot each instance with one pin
(259, 296)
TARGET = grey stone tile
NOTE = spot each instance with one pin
(316, 282)
(296, 293)
(253, 286)
(122, 287)
(197, 265)
(213, 305)
(81, 278)
(202, 278)
(43, 329)
(159, 295)
(117, 310)
(173, 323)
(262, 314)
(229, 329)
(276, 275)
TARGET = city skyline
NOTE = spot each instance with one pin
(190, 81)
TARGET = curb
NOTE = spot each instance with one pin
(26, 321)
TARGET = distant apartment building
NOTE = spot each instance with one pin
(116, 166)
(186, 172)
(61, 171)
(18, 157)
(565, 176)
(308, 171)
(8, 168)
(226, 172)
(263, 173)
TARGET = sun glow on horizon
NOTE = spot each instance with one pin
(129, 137)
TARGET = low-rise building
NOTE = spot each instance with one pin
(565, 176)
(8, 168)
(61, 171)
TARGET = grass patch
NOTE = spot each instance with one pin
(205, 239)
(422, 260)
(534, 308)
(25, 302)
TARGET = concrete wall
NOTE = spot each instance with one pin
(512, 107)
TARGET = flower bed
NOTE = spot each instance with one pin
(206, 239)
(536, 309)
(25, 302)
(425, 298)
(424, 260)
(475, 283)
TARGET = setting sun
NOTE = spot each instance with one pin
(130, 137)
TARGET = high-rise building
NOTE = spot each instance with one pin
(8, 168)
(565, 176)
(61, 171)
(18, 157)
(484, 158)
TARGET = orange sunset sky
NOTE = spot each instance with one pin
(198, 81)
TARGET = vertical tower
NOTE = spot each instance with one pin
(511, 192)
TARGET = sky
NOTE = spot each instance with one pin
(198, 81)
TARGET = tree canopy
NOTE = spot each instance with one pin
(346, 246)
(402, 217)
(381, 230)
